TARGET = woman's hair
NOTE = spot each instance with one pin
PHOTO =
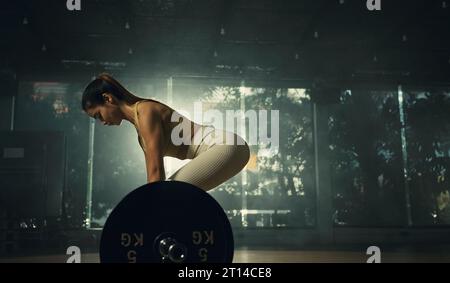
(93, 94)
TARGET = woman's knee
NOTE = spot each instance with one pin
(243, 149)
(242, 154)
(246, 153)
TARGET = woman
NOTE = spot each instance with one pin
(213, 161)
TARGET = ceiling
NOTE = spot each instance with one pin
(339, 40)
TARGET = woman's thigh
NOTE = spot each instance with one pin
(213, 166)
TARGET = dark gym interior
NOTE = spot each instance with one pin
(363, 96)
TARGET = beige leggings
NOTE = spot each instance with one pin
(213, 160)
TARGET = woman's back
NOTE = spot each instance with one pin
(165, 112)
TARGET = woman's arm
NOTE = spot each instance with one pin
(152, 134)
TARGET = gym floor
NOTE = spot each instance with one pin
(274, 256)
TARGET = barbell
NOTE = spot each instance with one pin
(167, 221)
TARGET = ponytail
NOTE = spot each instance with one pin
(93, 94)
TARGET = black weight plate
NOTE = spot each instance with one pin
(181, 210)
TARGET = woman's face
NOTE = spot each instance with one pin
(109, 113)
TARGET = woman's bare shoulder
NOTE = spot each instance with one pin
(151, 105)
(147, 107)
